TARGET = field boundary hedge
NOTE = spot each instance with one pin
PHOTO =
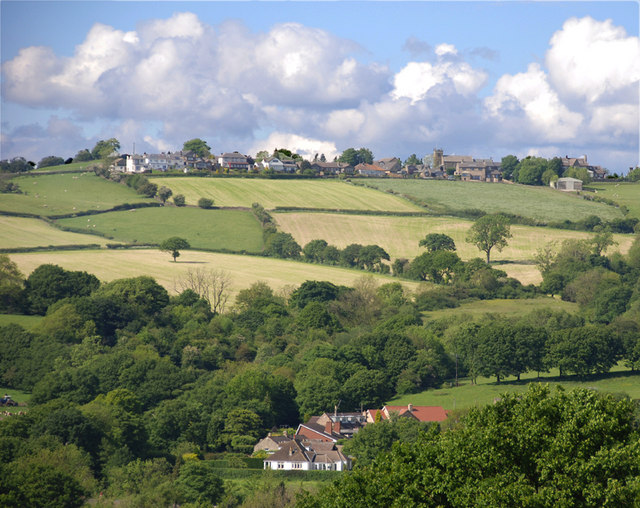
(85, 246)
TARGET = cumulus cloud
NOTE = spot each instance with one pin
(306, 147)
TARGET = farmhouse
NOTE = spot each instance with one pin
(421, 413)
(483, 170)
(595, 172)
(371, 170)
(271, 443)
(308, 455)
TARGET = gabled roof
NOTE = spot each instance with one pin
(293, 451)
(422, 413)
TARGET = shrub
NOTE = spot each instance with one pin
(179, 200)
(205, 203)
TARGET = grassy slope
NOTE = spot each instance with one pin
(24, 321)
(73, 167)
(620, 380)
(16, 232)
(504, 307)
(204, 229)
(542, 203)
(242, 270)
(67, 193)
(399, 236)
(622, 193)
(298, 193)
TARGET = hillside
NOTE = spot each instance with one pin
(540, 203)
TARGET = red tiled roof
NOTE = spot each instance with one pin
(422, 413)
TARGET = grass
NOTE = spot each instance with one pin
(243, 271)
(76, 167)
(399, 236)
(22, 398)
(504, 307)
(67, 193)
(328, 194)
(619, 380)
(18, 232)
(27, 322)
(627, 194)
(541, 203)
(235, 230)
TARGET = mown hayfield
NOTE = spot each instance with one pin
(235, 230)
(19, 232)
(329, 194)
(541, 203)
(400, 236)
(243, 271)
(508, 308)
(67, 193)
(627, 194)
(27, 322)
(466, 395)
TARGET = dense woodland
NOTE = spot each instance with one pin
(129, 385)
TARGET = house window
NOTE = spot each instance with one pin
(280, 465)
(297, 465)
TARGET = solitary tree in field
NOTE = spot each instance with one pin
(174, 245)
(488, 232)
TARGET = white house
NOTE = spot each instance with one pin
(136, 164)
(567, 184)
(297, 455)
(156, 161)
(234, 160)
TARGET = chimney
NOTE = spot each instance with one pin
(336, 427)
(410, 407)
(328, 427)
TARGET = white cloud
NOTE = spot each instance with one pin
(529, 92)
(417, 79)
(593, 60)
(306, 147)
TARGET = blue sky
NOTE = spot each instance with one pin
(479, 78)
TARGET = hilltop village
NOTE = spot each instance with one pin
(435, 166)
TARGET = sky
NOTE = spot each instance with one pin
(486, 79)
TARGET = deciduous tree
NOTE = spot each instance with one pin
(488, 232)
(174, 245)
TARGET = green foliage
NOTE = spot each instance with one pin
(281, 245)
(198, 482)
(105, 148)
(164, 193)
(198, 146)
(205, 203)
(174, 245)
(354, 157)
(179, 200)
(437, 241)
(12, 296)
(83, 156)
(49, 283)
(509, 164)
(15, 165)
(51, 160)
(537, 449)
(314, 291)
(488, 232)
(531, 169)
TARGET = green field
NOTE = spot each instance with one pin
(503, 307)
(627, 194)
(235, 230)
(67, 193)
(466, 395)
(541, 203)
(76, 167)
(243, 271)
(18, 232)
(328, 194)
(399, 236)
(27, 322)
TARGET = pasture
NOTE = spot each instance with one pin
(326, 194)
(508, 308)
(541, 203)
(27, 322)
(627, 194)
(243, 271)
(234, 230)
(19, 232)
(620, 380)
(67, 193)
(75, 167)
(399, 236)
